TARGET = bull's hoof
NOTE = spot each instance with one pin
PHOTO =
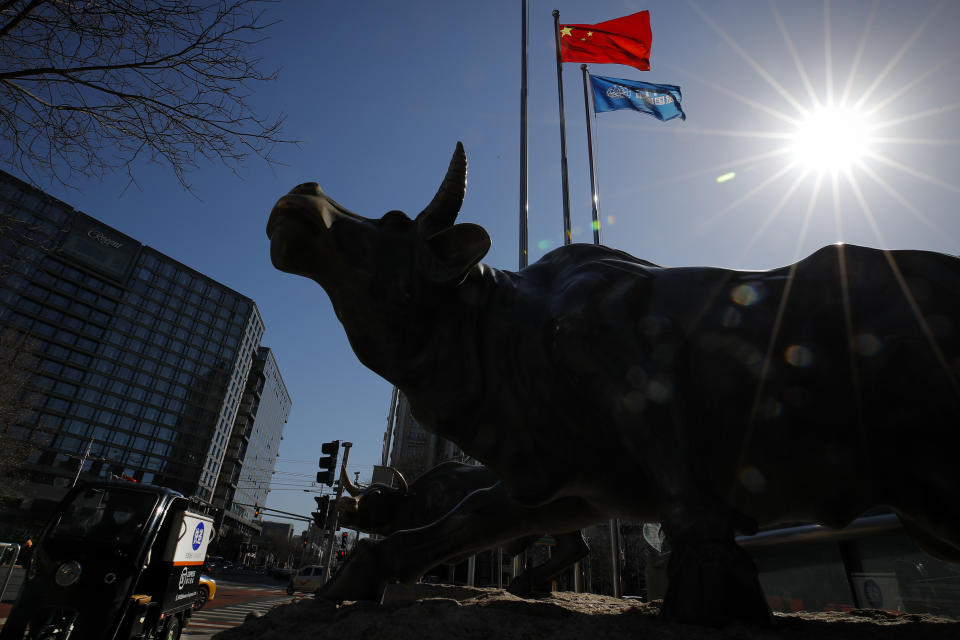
(714, 585)
(360, 578)
(524, 587)
(520, 586)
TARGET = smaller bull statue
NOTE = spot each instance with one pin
(382, 509)
(597, 385)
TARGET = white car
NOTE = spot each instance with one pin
(306, 579)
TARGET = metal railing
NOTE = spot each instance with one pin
(866, 525)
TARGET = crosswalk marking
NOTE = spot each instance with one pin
(255, 587)
(231, 615)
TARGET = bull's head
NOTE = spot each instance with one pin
(375, 508)
(383, 276)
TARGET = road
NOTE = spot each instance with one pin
(237, 596)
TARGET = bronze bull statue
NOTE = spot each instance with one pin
(597, 385)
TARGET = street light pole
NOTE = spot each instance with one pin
(83, 459)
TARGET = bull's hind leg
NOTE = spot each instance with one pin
(571, 548)
(939, 539)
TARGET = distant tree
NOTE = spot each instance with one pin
(87, 88)
(17, 363)
(281, 546)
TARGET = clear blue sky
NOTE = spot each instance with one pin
(379, 92)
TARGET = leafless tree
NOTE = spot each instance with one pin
(90, 87)
(17, 363)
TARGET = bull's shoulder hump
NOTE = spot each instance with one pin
(569, 261)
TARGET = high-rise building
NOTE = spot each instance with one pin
(411, 448)
(141, 361)
(254, 442)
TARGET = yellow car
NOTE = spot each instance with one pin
(207, 590)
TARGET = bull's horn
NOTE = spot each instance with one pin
(400, 480)
(351, 488)
(443, 209)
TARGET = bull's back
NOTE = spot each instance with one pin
(849, 391)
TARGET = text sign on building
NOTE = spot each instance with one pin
(99, 247)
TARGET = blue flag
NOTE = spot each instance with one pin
(662, 101)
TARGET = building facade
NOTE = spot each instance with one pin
(412, 449)
(254, 444)
(141, 361)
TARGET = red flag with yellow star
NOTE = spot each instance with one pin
(623, 40)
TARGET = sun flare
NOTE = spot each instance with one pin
(831, 139)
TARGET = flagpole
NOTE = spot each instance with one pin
(524, 140)
(567, 236)
(594, 200)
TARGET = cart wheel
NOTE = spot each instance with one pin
(203, 594)
(171, 629)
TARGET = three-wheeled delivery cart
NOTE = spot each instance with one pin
(117, 561)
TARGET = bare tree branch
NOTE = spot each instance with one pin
(87, 88)
(17, 353)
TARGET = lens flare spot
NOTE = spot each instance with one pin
(726, 177)
(746, 295)
(595, 225)
(772, 409)
(753, 479)
(730, 317)
(653, 325)
(611, 220)
(637, 377)
(867, 344)
(798, 356)
(634, 401)
(658, 391)
(543, 245)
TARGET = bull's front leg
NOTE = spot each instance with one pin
(484, 519)
(712, 581)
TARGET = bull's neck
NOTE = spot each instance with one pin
(449, 388)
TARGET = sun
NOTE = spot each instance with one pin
(831, 139)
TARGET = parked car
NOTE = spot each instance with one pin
(207, 591)
(306, 579)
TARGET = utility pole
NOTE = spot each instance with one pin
(335, 515)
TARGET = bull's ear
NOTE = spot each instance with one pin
(448, 255)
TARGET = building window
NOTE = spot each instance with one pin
(72, 374)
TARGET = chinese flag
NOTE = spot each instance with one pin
(623, 40)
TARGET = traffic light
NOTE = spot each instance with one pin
(343, 539)
(256, 511)
(328, 463)
(323, 507)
